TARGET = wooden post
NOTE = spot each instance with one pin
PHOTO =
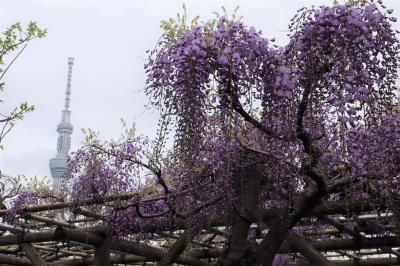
(102, 254)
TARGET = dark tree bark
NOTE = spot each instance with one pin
(249, 180)
(313, 193)
(177, 248)
(298, 242)
(270, 245)
(32, 254)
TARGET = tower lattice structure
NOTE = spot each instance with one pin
(59, 164)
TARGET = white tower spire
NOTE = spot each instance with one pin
(59, 164)
(68, 91)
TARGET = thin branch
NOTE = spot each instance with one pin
(23, 48)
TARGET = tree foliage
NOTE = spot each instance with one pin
(15, 38)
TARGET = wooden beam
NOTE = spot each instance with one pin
(364, 229)
(10, 250)
(27, 238)
(67, 204)
(67, 252)
(361, 262)
(47, 221)
(12, 260)
(321, 245)
(197, 243)
(349, 244)
(119, 259)
(84, 220)
(343, 253)
(342, 207)
(87, 237)
(10, 228)
(341, 227)
(122, 246)
(60, 255)
(89, 214)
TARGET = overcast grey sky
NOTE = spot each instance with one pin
(108, 40)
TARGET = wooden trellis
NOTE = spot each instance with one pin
(44, 240)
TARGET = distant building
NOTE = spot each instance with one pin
(59, 164)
